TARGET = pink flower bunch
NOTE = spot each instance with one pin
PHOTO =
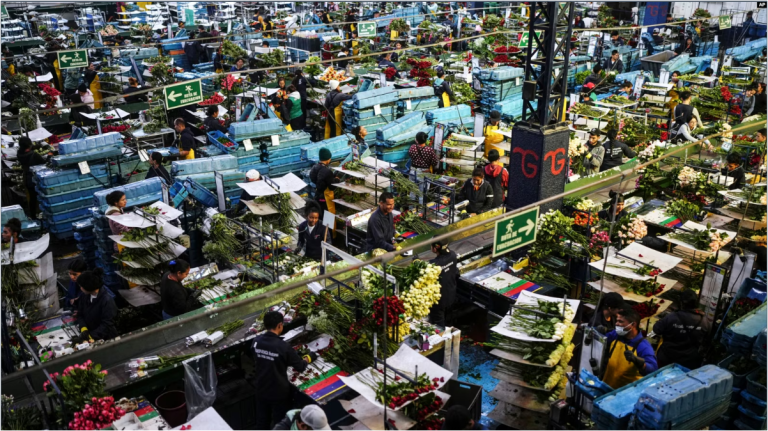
(228, 82)
(85, 366)
(99, 414)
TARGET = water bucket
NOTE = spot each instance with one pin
(172, 405)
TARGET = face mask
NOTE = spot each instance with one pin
(622, 330)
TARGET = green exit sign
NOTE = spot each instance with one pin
(515, 232)
(72, 59)
(525, 39)
(4, 13)
(725, 22)
(366, 29)
(183, 94)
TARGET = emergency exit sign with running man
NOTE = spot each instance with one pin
(515, 232)
(183, 94)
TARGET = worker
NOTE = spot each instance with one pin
(386, 61)
(735, 171)
(682, 334)
(360, 132)
(28, 158)
(683, 111)
(92, 80)
(595, 77)
(195, 51)
(396, 55)
(212, 122)
(333, 101)
(272, 357)
(12, 230)
(617, 40)
(381, 225)
(85, 95)
(301, 86)
(613, 63)
(447, 260)
(615, 151)
(625, 90)
(586, 94)
(312, 233)
(617, 207)
(342, 63)
(156, 168)
(657, 39)
(251, 176)
(277, 97)
(594, 157)
(96, 310)
(133, 87)
(75, 268)
(497, 176)
(630, 355)
(117, 203)
(324, 178)
(311, 417)
(604, 319)
(477, 191)
(181, 31)
(578, 22)
(492, 137)
(761, 100)
(457, 417)
(423, 158)
(239, 65)
(71, 80)
(748, 99)
(442, 90)
(176, 299)
(682, 132)
(187, 141)
(687, 48)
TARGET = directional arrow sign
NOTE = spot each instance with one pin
(525, 39)
(724, 21)
(73, 59)
(366, 29)
(4, 13)
(183, 94)
(515, 232)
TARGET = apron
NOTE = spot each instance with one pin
(190, 155)
(492, 138)
(329, 128)
(445, 100)
(96, 90)
(619, 371)
(355, 48)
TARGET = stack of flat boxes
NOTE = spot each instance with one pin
(202, 172)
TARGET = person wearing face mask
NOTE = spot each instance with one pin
(312, 233)
(176, 299)
(735, 171)
(594, 158)
(446, 259)
(381, 225)
(96, 310)
(630, 355)
(272, 357)
(477, 191)
(75, 268)
(682, 334)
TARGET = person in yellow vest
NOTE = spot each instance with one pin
(333, 101)
(92, 80)
(186, 139)
(442, 89)
(491, 136)
(324, 178)
(630, 355)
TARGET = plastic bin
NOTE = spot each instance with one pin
(754, 388)
(652, 63)
(213, 138)
(200, 193)
(752, 403)
(465, 394)
(739, 380)
(750, 419)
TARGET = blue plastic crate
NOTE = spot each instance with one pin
(213, 138)
(200, 193)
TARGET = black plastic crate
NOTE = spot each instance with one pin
(236, 403)
(464, 394)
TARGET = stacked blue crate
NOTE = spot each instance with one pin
(89, 149)
(339, 147)
(105, 248)
(690, 401)
(86, 241)
(202, 171)
(739, 337)
(140, 193)
(747, 51)
(16, 211)
(500, 85)
(394, 139)
(257, 129)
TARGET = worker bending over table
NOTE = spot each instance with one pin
(477, 191)
(682, 334)
(324, 178)
(96, 310)
(492, 137)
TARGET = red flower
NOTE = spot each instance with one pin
(501, 49)
(664, 136)
(390, 72)
(501, 59)
(351, 411)
(423, 82)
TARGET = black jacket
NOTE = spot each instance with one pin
(444, 87)
(323, 178)
(448, 276)
(175, 298)
(682, 114)
(594, 78)
(682, 49)
(159, 172)
(195, 52)
(75, 111)
(213, 124)
(335, 98)
(187, 140)
(480, 200)
(134, 99)
(683, 332)
(381, 232)
(27, 160)
(737, 175)
(313, 241)
(301, 86)
(617, 67)
(614, 155)
(98, 315)
(271, 360)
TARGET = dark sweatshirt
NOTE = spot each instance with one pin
(381, 231)
(323, 178)
(614, 155)
(175, 298)
(480, 200)
(97, 314)
(271, 360)
(737, 175)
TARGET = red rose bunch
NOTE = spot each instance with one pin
(115, 128)
(412, 62)
(216, 99)
(395, 308)
(99, 414)
(501, 59)
(48, 90)
(54, 139)
(513, 50)
(735, 109)
(646, 309)
(390, 72)
(423, 82)
(726, 93)
(664, 136)
(501, 49)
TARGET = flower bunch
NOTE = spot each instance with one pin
(423, 293)
(646, 309)
(651, 151)
(215, 99)
(582, 219)
(726, 93)
(48, 90)
(501, 58)
(646, 288)
(576, 148)
(99, 414)
(525, 320)
(394, 309)
(115, 128)
(708, 239)
(390, 72)
(635, 229)
(228, 82)
(584, 204)
(682, 208)
(398, 392)
(599, 240)
(423, 82)
(689, 176)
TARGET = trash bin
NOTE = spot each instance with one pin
(172, 406)
(652, 63)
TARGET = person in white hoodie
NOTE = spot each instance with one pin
(85, 95)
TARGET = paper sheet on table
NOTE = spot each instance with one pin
(319, 343)
(176, 251)
(260, 209)
(372, 416)
(166, 211)
(131, 220)
(627, 271)
(26, 251)
(689, 225)
(9, 139)
(170, 230)
(529, 298)
(405, 360)
(355, 174)
(42, 78)
(115, 112)
(290, 183)
(257, 188)
(144, 243)
(11, 153)
(651, 257)
(39, 134)
(296, 201)
(372, 161)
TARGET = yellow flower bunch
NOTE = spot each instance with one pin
(559, 352)
(423, 293)
(554, 378)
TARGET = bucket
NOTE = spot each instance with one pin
(172, 405)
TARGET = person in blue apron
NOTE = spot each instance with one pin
(682, 334)
(630, 355)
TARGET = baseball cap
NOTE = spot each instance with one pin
(314, 416)
(589, 85)
(595, 132)
(253, 174)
